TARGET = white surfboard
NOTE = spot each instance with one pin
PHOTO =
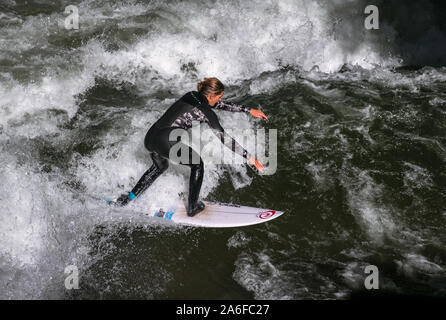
(215, 215)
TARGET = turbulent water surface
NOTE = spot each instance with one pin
(361, 148)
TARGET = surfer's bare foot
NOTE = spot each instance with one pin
(196, 209)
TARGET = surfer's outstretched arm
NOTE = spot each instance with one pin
(229, 106)
(227, 140)
(232, 107)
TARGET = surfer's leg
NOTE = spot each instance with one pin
(160, 165)
(195, 181)
(163, 146)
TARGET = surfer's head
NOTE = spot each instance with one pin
(212, 89)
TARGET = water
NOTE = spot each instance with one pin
(361, 148)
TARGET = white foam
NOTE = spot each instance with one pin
(19, 101)
(229, 42)
(238, 240)
(374, 218)
(353, 275)
(437, 102)
(320, 175)
(41, 231)
(259, 275)
(417, 177)
(416, 263)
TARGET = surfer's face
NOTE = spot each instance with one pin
(214, 98)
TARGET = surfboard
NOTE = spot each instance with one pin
(215, 215)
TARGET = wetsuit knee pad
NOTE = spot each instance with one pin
(160, 162)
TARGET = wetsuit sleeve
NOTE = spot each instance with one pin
(225, 138)
(229, 106)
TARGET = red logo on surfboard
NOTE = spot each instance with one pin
(266, 214)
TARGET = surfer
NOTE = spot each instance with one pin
(193, 106)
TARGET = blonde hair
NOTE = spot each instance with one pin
(210, 86)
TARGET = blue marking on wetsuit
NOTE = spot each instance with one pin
(132, 196)
(169, 215)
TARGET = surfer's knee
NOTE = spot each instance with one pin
(197, 166)
(161, 163)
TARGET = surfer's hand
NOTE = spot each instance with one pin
(256, 163)
(258, 114)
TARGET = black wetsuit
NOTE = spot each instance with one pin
(193, 106)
